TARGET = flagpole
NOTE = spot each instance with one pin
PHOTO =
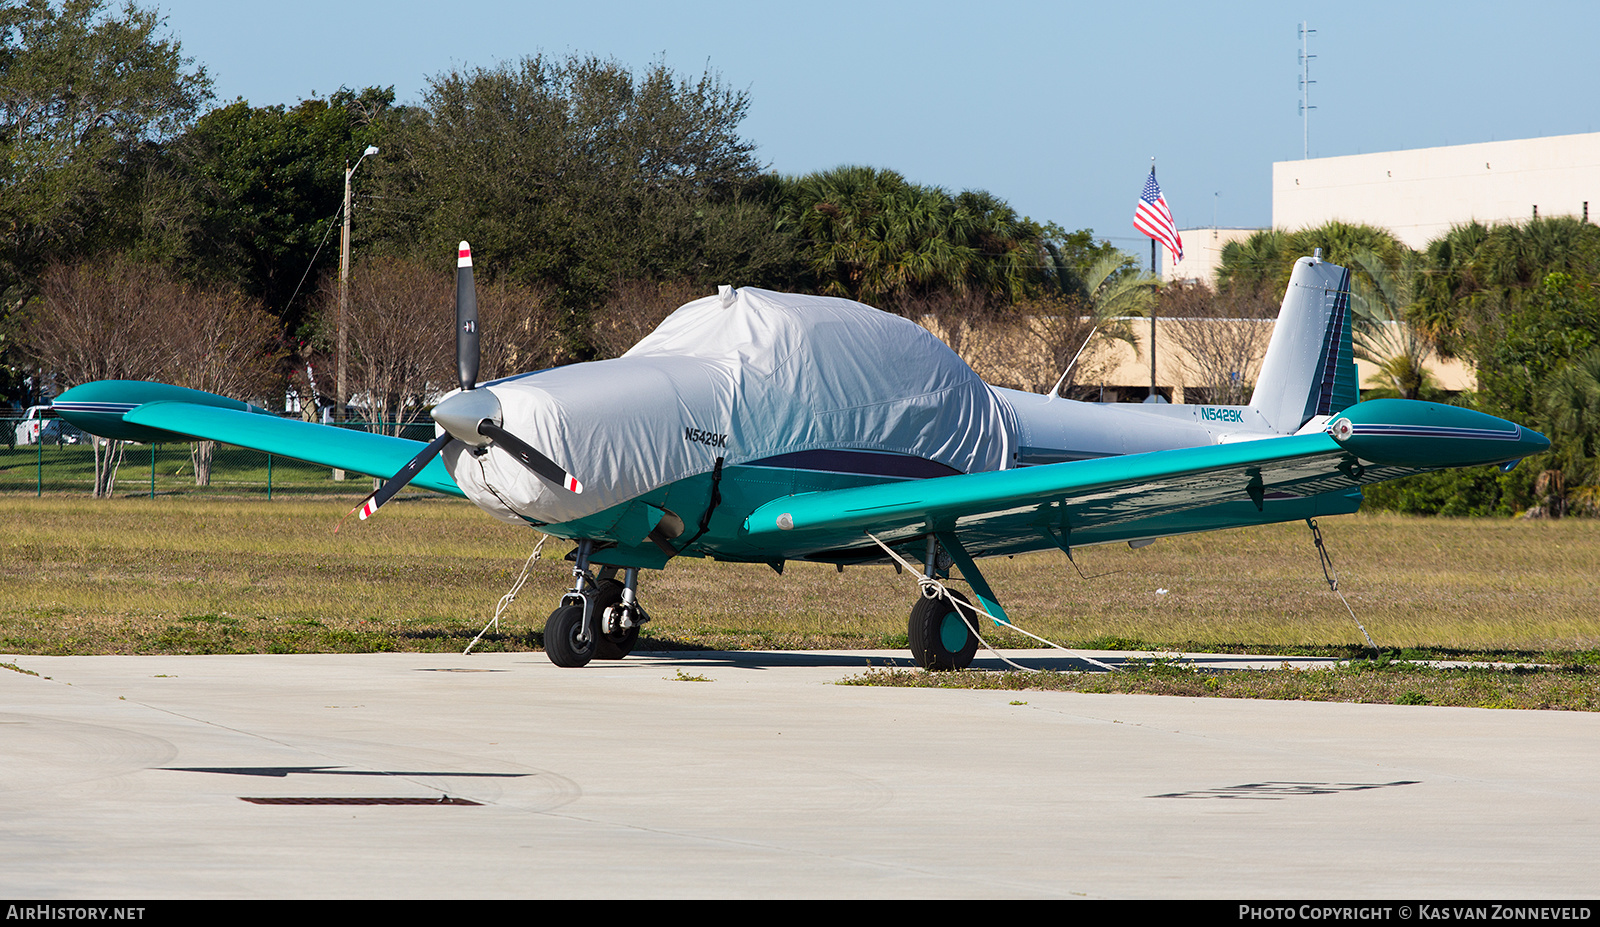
(1152, 217)
(1155, 282)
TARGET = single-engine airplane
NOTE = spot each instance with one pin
(763, 427)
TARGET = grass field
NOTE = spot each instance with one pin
(166, 469)
(178, 574)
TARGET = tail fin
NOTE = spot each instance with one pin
(1309, 369)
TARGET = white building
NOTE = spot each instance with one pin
(1419, 194)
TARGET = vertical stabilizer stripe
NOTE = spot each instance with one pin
(1332, 341)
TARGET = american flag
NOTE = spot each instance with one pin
(1153, 218)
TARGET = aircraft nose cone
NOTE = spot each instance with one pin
(461, 413)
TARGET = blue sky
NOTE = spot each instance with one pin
(1057, 107)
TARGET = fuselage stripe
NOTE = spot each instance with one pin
(1436, 431)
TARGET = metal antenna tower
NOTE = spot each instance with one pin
(1305, 90)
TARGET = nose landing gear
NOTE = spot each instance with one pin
(598, 619)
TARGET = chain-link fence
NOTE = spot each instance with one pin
(64, 462)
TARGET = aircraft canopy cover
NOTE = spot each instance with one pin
(823, 372)
(745, 376)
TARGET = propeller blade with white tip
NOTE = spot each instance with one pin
(528, 457)
(370, 505)
(466, 319)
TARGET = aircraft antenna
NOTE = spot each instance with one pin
(1305, 89)
(1055, 392)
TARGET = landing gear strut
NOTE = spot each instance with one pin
(598, 619)
(619, 616)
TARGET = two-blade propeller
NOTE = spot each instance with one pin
(472, 416)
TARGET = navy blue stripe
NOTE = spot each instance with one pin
(1331, 341)
(867, 463)
(96, 406)
(1436, 431)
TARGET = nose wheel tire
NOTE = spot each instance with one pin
(939, 635)
(561, 643)
(618, 644)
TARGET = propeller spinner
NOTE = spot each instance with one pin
(472, 416)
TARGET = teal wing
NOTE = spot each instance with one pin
(1145, 495)
(140, 411)
(1076, 503)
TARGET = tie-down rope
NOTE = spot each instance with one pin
(510, 596)
(929, 582)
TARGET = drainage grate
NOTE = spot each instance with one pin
(445, 800)
(1277, 791)
(456, 669)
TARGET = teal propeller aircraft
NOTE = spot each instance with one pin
(763, 427)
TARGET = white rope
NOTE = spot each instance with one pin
(924, 581)
(510, 596)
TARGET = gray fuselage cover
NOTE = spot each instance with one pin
(744, 378)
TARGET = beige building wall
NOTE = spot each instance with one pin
(1202, 254)
(1125, 369)
(1419, 194)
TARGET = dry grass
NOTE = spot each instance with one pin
(179, 575)
(1573, 687)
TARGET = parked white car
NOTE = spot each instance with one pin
(40, 423)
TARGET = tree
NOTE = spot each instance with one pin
(218, 340)
(870, 235)
(1071, 255)
(400, 338)
(248, 194)
(83, 94)
(1475, 277)
(1224, 334)
(119, 319)
(402, 344)
(1382, 332)
(632, 311)
(1519, 301)
(1030, 344)
(577, 174)
(1572, 416)
(1266, 259)
(1117, 287)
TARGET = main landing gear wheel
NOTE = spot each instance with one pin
(561, 632)
(616, 644)
(939, 636)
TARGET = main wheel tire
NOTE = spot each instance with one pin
(939, 636)
(561, 642)
(615, 646)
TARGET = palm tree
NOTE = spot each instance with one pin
(1117, 288)
(871, 235)
(1381, 298)
(1572, 407)
(1255, 262)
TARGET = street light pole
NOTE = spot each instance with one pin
(339, 394)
